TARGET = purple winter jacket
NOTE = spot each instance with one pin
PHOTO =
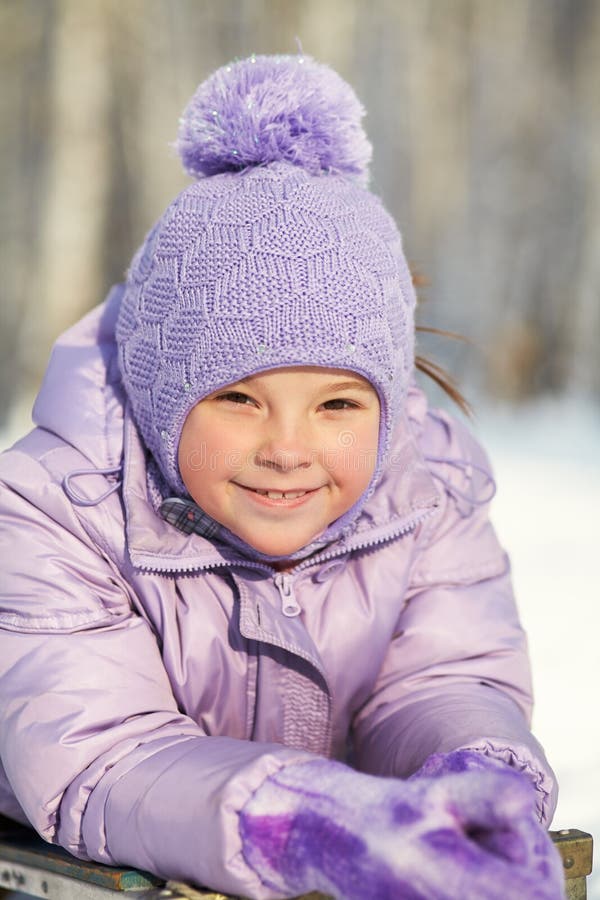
(149, 679)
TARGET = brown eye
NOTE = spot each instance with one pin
(340, 404)
(235, 397)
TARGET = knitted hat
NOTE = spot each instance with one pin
(276, 256)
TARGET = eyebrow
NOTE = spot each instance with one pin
(334, 386)
(348, 386)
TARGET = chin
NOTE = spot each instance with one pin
(281, 550)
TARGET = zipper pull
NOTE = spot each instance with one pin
(289, 605)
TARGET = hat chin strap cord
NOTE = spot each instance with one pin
(468, 468)
(77, 498)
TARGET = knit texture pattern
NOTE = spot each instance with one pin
(260, 268)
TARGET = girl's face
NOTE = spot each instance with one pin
(278, 456)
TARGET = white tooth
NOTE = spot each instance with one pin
(280, 495)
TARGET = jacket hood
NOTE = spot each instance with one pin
(81, 399)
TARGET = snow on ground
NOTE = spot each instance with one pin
(546, 459)
(547, 465)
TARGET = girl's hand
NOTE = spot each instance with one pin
(530, 832)
(470, 834)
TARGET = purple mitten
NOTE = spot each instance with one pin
(526, 832)
(469, 834)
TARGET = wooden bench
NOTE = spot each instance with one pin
(36, 869)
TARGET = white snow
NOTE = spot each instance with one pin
(546, 459)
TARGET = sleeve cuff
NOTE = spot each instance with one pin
(522, 759)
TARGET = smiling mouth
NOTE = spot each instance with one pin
(279, 495)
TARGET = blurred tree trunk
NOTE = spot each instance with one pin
(24, 61)
(72, 217)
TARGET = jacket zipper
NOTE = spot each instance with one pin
(284, 580)
(190, 570)
(289, 605)
(404, 529)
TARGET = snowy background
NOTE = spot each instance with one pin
(546, 458)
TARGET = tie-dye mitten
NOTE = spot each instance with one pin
(469, 834)
(527, 830)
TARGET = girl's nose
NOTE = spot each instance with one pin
(284, 460)
(285, 448)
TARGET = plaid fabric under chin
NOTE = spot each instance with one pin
(186, 516)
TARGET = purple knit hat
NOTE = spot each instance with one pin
(276, 256)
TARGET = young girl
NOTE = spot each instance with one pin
(257, 632)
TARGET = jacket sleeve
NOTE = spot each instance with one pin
(457, 673)
(92, 742)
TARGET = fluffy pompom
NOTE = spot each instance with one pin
(274, 108)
